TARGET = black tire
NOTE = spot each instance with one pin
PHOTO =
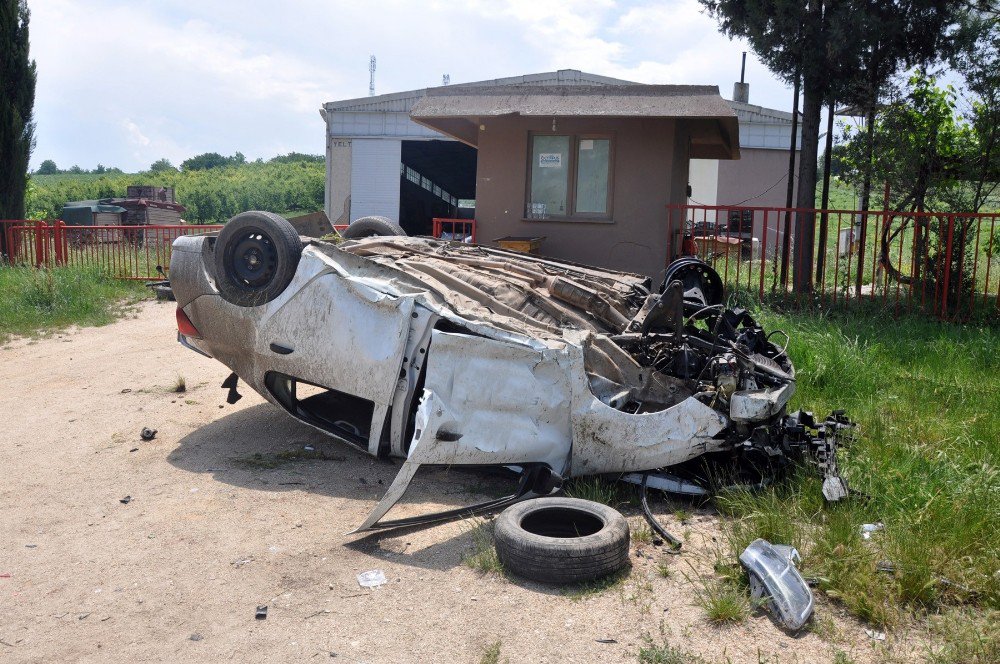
(562, 540)
(256, 256)
(372, 226)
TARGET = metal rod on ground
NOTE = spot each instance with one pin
(675, 543)
(787, 239)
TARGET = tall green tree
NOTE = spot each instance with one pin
(977, 59)
(161, 165)
(843, 50)
(47, 167)
(17, 100)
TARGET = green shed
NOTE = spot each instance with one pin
(91, 213)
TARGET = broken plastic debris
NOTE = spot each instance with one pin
(371, 579)
(868, 528)
(789, 553)
(309, 448)
(147, 433)
(261, 613)
(774, 577)
(835, 488)
(875, 635)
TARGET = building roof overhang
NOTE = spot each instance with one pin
(459, 110)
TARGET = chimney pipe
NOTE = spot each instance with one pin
(741, 90)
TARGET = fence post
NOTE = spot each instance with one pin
(58, 239)
(40, 243)
(947, 266)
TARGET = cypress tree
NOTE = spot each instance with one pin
(17, 99)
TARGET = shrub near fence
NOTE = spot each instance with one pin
(124, 252)
(942, 264)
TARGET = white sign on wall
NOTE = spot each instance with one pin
(550, 160)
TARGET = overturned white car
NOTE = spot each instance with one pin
(454, 354)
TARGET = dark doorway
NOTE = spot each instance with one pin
(434, 176)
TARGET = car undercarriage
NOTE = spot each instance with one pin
(444, 353)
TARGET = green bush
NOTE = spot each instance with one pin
(211, 196)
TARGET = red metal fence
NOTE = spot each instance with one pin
(132, 252)
(125, 252)
(461, 230)
(947, 264)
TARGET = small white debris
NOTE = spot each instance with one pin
(371, 579)
(868, 528)
(875, 635)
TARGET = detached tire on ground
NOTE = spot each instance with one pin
(256, 256)
(562, 540)
(372, 226)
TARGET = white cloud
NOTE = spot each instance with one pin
(135, 134)
(126, 83)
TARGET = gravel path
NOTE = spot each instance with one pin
(229, 511)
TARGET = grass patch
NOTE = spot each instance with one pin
(491, 653)
(927, 397)
(180, 385)
(37, 301)
(597, 489)
(967, 638)
(482, 555)
(841, 657)
(642, 534)
(664, 653)
(597, 586)
(723, 602)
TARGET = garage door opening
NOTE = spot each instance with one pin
(434, 176)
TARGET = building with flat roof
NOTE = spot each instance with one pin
(610, 155)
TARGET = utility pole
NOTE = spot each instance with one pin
(787, 235)
(371, 77)
(825, 202)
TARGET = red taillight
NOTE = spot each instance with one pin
(185, 326)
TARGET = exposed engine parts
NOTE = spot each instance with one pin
(725, 358)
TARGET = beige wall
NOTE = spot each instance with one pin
(338, 179)
(650, 170)
(747, 177)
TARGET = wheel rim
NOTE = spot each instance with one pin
(697, 279)
(252, 259)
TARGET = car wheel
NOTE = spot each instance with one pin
(700, 282)
(256, 256)
(562, 540)
(372, 226)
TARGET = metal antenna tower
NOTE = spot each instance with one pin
(446, 79)
(371, 78)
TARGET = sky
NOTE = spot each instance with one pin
(125, 83)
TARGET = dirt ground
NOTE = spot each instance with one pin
(212, 531)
